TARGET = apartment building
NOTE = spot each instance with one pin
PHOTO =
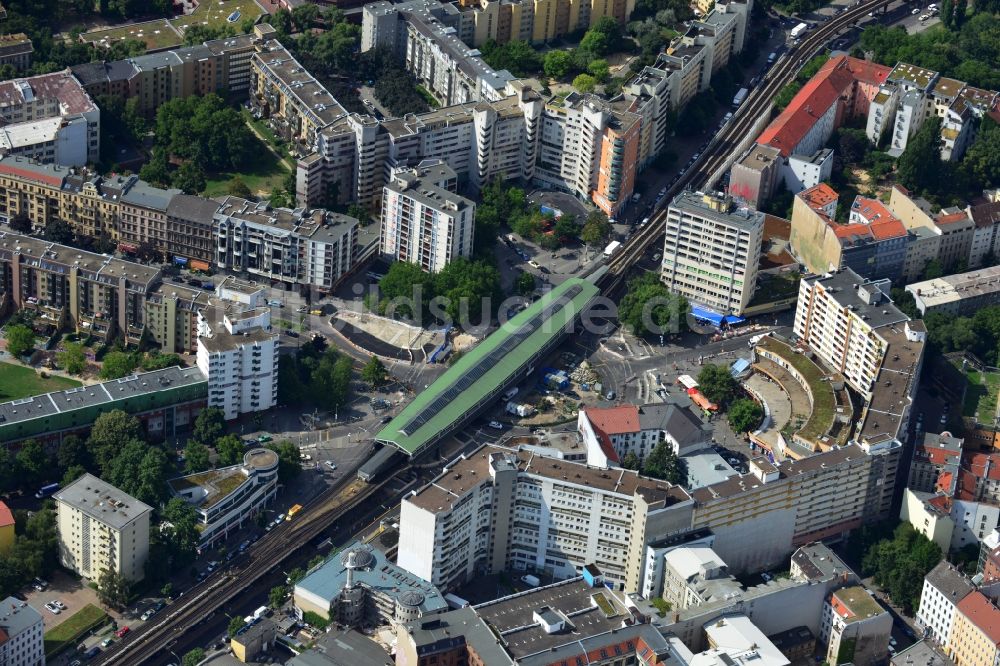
(100, 294)
(711, 252)
(911, 95)
(944, 587)
(49, 118)
(190, 230)
(16, 50)
(975, 632)
(424, 220)
(957, 295)
(954, 227)
(171, 316)
(21, 634)
(933, 456)
(497, 509)
(312, 249)
(873, 243)
(101, 529)
(238, 353)
(228, 498)
(534, 20)
(693, 575)
(855, 627)
(754, 177)
(840, 316)
(611, 433)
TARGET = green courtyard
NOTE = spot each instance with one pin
(17, 381)
(981, 390)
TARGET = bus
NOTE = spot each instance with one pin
(294, 510)
(47, 491)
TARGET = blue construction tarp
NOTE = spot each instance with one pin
(714, 318)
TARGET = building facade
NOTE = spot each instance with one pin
(102, 529)
(22, 642)
(712, 251)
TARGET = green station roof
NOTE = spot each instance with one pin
(481, 372)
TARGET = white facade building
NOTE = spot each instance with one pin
(711, 252)
(944, 587)
(50, 118)
(21, 634)
(239, 356)
(693, 575)
(101, 528)
(611, 433)
(228, 498)
(424, 221)
(855, 628)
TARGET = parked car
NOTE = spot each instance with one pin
(329, 463)
(305, 456)
(148, 614)
(107, 641)
(52, 608)
(290, 333)
(496, 424)
(264, 439)
(60, 604)
(121, 632)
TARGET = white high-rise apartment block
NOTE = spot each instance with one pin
(21, 635)
(101, 528)
(239, 356)
(944, 587)
(424, 221)
(711, 252)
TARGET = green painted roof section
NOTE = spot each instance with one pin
(511, 364)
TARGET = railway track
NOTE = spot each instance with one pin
(270, 551)
(714, 157)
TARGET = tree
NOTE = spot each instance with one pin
(72, 474)
(289, 460)
(20, 340)
(276, 597)
(744, 415)
(331, 379)
(932, 270)
(117, 364)
(112, 588)
(558, 64)
(111, 432)
(179, 531)
(196, 457)
(649, 307)
(630, 461)
(374, 372)
(517, 56)
(10, 477)
(209, 426)
(72, 358)
(982, 160)
(230, 450)
(197, 655)
(596, 230)
(32, 461)
(585, 83)
(717, 384)
(59, 231)
(140, 470)
(296, 575)
(189, 177)
(21, 223)
(73, 452)
(525, 283)
(235, 624)
(919, 166)
(599, 69)
(899, 564)
(237, 187)
(663, 463)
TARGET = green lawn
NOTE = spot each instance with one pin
(70, 631)
(164, 33)
(158, 34)
(17, 381)
(823, 398)
(981, 395)
(265, 173)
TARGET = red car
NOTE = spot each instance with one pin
(121, 632)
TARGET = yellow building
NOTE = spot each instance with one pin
(975, 632)
(6, 528)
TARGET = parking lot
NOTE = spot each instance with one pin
(73, 593)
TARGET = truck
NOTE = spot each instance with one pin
(740, 97)
(520, 410)
(260, 612)
(510, 393)
(799, 29)
(294, 510)
(612, 248)
(687, 381)
(455, 601)
(530, 581)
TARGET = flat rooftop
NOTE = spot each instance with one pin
(479, 374)
(216, 484)
(448, 487)
(447, 631)
(708, 207)
(953, 288)
(853, 604)
(889, 394)
(96, 395)
(574, 600)
(102, 501)
(845, 287)
(818, 562)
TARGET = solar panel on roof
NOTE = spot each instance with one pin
(489, 361)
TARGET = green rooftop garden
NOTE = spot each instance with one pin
(823, 398)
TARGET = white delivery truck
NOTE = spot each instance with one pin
(799, 29)
(611, 248)
(740, 97)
